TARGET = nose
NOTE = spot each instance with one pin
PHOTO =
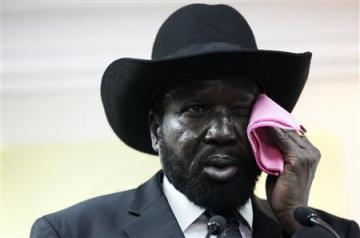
(221, 131)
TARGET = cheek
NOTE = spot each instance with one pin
(183, 139)
(241, 122)
(241, 127)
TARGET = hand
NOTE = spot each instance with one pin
(291, 189)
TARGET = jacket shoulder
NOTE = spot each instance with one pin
(345, 228)
(87, 218)
(348, 228)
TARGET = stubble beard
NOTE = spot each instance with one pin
(218, 197)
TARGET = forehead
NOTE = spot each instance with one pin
(239, 89)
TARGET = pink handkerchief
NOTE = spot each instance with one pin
(267, 113)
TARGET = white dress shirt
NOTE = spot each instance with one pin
(190, 217)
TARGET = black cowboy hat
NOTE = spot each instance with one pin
(196, 40)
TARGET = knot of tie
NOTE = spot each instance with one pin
(232, 225)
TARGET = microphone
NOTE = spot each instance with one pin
(308, 217)
(216, 225)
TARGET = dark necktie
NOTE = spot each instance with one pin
(232, 229)
(232, 226)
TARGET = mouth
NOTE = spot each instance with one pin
(221, 168)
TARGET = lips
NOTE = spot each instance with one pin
(221, 167)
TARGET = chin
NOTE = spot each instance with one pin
(222, 197)
(218, 197)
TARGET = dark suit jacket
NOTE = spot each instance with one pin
(145, 212)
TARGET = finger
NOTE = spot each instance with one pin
(304, 143)
(310, 155)
(288, 147)
(300, 140)
(281, 139)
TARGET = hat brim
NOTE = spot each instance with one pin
(129, 84)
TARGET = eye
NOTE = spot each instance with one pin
(195, 110)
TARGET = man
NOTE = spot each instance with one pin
(191, 105)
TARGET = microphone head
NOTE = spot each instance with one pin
(216, 224)
(304, 214)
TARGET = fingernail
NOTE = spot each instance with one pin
(302, 129)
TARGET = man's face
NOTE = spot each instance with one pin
(202, 143)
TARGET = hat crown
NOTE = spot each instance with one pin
(196, 40)
(202, 28)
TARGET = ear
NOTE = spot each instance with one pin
(155, 130)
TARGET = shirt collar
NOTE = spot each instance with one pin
(186, 212)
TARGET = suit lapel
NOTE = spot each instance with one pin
(152, 214)
(264, 223)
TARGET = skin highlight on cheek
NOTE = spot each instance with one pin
(186, 135)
